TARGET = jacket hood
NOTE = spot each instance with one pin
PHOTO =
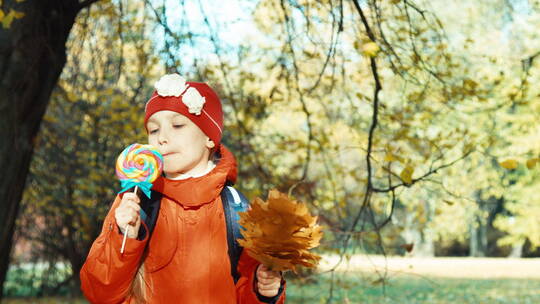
(196, 191)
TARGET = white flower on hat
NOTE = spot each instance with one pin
(193, 100)
(171, 85)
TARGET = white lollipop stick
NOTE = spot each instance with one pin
(126, 231)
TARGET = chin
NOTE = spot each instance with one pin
(174, 171)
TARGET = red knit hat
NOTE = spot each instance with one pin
(195, 100)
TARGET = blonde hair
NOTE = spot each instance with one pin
(137, 290)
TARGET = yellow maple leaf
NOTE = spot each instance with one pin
(509, 164)
(370, 49)
(279, 232)
(532, 162)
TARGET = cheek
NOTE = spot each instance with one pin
(173, 163)
(187, 139)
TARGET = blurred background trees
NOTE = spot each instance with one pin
(33, 51)
(410, 127)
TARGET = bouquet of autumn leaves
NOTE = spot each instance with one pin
(279, 232)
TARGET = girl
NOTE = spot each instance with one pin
(186, 259)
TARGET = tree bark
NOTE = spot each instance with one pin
(478, 238)
(517, 250)
(419, 235)
(32, 56)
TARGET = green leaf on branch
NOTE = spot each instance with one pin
(406, 175)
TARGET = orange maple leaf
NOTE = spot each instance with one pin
(278, 233)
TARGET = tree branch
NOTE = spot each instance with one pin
(430, 172)
(86, 3)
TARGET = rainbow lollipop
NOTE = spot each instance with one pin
(138, 166)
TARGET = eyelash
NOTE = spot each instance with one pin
(175, 126)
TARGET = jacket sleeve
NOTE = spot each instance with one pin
(245, 287)
(107, 274)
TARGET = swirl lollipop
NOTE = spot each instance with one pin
(138, 166)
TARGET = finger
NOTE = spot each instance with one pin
(133, 206)
(122, 221)
(129, 207)
(269, 294)
(134, 201)
(269, 281)
(134, 215)
(274, 274)
(268, 274)
(130, 202)
(131, 196)
(126, 216)
(268, 290)
(262, 271)
(264, 268)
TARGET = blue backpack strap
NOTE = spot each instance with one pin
(149, 212)
(233, 202)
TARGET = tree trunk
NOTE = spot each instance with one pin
(517, 250)
(419, 235)
(33, 54)
(478, 239)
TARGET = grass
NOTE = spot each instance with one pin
(48, 300)
(357, 288)
(408, 281)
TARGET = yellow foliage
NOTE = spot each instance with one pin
(532, 162)
(389, 157)
(370, 49)
(8, 19)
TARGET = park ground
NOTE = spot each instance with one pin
(378, 279)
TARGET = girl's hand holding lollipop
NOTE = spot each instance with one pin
(128, 214)
(137, 166)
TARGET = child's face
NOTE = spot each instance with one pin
(185, 148)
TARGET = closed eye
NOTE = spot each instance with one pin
(153, 131)
(178, 126)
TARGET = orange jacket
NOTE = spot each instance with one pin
(187, 260)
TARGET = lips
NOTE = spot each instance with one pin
(166, 154)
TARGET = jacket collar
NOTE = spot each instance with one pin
(196, 191)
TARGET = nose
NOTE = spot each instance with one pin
(162, 137)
